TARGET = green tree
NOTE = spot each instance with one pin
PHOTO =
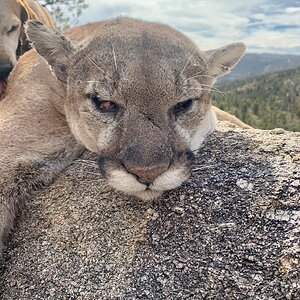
(65, 13)
(266, 101)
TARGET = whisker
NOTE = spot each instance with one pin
(115, 59)
(200, 75)
(189, 59)
(210, 90)
(214, 89)
(94, 63)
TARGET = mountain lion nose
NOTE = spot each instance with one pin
(147, 175)
(5, 69)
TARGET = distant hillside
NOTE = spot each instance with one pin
(266, 101)
(253, 64)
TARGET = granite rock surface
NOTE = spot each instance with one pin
(232, 231)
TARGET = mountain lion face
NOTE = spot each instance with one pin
(138, 94)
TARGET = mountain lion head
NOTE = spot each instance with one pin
(138, 94)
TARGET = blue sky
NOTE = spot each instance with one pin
(264, 25)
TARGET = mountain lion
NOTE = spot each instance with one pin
(136, 93)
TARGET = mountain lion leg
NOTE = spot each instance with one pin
(22, 178)
(35, 140)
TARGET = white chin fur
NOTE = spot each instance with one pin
(128, 184)
(125, 182)
(205, 127)
(169, 180)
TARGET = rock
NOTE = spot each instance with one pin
(244, 184)
(277, 131)
(231, 232)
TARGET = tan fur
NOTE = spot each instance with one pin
(36, 12)
(36, 143)
(225, 116)
(13, 15)
(145, 145)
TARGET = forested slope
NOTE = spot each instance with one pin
(266, 101)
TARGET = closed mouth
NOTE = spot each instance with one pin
(3, 85)
(121, 180)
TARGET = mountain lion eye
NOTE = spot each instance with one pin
(103, 105)
(182, 107)
(12, 29)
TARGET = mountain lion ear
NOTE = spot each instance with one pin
(220, 61)
(55, 48)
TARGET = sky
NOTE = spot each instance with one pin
(271, 26)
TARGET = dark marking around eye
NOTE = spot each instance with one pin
(182, 107)
(13, 28)
(103, 106)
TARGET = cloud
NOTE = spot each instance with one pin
(292, 10)
(266, 25)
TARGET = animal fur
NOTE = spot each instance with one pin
(136, 93)
(225, 116)
(13, 42)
